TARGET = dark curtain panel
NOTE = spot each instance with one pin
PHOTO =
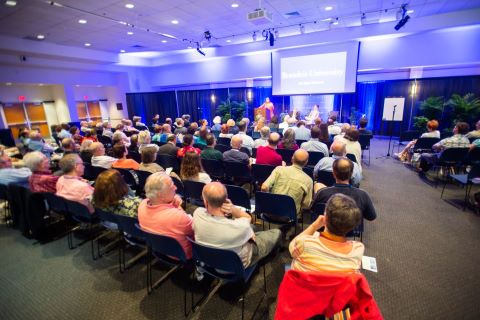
(201, 104)
(146, 105)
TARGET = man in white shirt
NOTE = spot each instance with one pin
(224, 226)
(247, 141)
(263, 140)
(301, 132)
(99, 159)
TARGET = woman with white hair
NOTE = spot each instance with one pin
(41, 179)
(144, 140)
(85, 151)
(217, 123)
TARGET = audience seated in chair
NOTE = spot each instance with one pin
(288, 141)
(314, 144)
(170, 147)
(263, 140)
(12, 175)
(338, 150)
(301, 132)
(247, 141)
(149, 155)
(329, 250)
(107, 129)
(191, 169)
(222, 225)
(475, 133)
(432, 132)
(99, 159)
(234, 154)
(292, 181)
(41, 179)
(352, 146)
(120, 152)
(71, 185)
(68, 146)
(267, 154)
(362, 126)
(161, 211)
(86, 151)
(187, 146)
(144, 140)
(210, 153)
(113, 195)
(458, 140)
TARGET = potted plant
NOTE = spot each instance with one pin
(432, 108)
(466, 108)
(231, 109)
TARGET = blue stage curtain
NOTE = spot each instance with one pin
(146, 105)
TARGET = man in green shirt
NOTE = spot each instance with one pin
(210, 153)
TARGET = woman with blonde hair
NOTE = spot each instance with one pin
(191, 169)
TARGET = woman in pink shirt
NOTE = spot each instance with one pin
(162, 213)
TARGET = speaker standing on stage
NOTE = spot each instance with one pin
(268, 105)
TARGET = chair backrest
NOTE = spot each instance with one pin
(158, 143)
(453, 155)
(473, 156)
(254, 152)
(106, 216)
(409, 135)
(364, 140)
(317, 210)
(222, 148)
(352, 157)
(445, 134)
(179, 184)
(472, 139)
(275, 205)
(192, 190)
(3, 192)
(127, 224)
(199, 146)
(425, 143)
(255, 135)
(142, 179)
(78, 211)
(104, 140)
(246, 151)
(223, 140)
(134, 155)
(218, 259)
(238, 196)
(129, 176)
(326, 177)
(261, 172)
(299, 142)
(286, 154)
(214, 168)
(474, 171)
(236, 169)
(6, 137)
(168, 161)
(55, 202)
(309, 171)
(164, 246)
(314, 157)
(91, 172)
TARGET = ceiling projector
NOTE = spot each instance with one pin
(259, 16)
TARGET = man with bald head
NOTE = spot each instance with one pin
(99, 159)
(342, 171)
(292, 181)
(338, 150)
(223, 225)
(234, 154)
(267, 154)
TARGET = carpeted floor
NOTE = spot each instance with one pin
(428, 267)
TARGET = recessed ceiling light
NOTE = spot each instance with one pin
(40, 36)
(11, 3)
(175, 21)
(82, 21)
(327, 19)
(235, 5)
(130, 33)
(335, 22)
(229, 40)
(129, 6)
(8, 83)
(189, 47)
(41, 84)
(164, 41)
(410, 11)
(122, 51)
(88, 44)
(328, 8)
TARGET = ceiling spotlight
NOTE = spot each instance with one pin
(234, 5)
(335, 22)
(88, 44)
(404, 19)
(228, 40)
(329, 8)
(129, 6)
(40, 36)
(11, 3)
(122, 51)
(207, 35)
(82, 21)
(174, 21)
(130, 33)
(302, 29)
(254, 36)
(410, 11)
(164, 41)
(199, 50)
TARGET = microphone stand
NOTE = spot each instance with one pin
(391, 135)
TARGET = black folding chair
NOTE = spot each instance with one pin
(364, 140)
(168, 161)
(133, 236)
(222, 148)
(254, 152)
(224, 141)
(226, 266)
(352, 157)
(314, 157)
(106, 141)
(130, 177)
(192, 192)
(275, 208)
(465, 180)
(6, 205)
(451, 159)
(239, 197)
(214, 168)
(246, 151)
(325, 177)
(261, 172)
(135, 156)
(407, 136)
(91, 172)
(299, 142)
(238, 173)
(179, 184)
(142, 179)
(424, 145)
(199, 146)
(473, 156)
(286, 154)
(109, 221)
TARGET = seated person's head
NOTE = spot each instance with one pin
(342, 215)
(315, 132)
(342, 169)
(160, 188)
(72, 164)
(210, 139)
(187, 140)
(338, 148)
(224, 129)
(149, 154)
(134, 140)
(236, 142)
(203, 133)
(74, 130)
(273, 139)
(86, 146)
(191, 165)
(120, 127)
(5, 161)
(166, 128)
(119, 150)
(264, 132)
(242, 126)
(462, 127)
(106, 125)
(36, 161)
(172, 138)
(432, 125)
(274, 119)
(144, 137)
(214, 195)
(363, 123)
(97, 149)
(300, 158)
(352, 134)
(68, 144)
(109, 189)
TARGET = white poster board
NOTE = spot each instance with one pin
(388, 107)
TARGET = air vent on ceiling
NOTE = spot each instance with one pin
(138, 46)
(293, 14)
